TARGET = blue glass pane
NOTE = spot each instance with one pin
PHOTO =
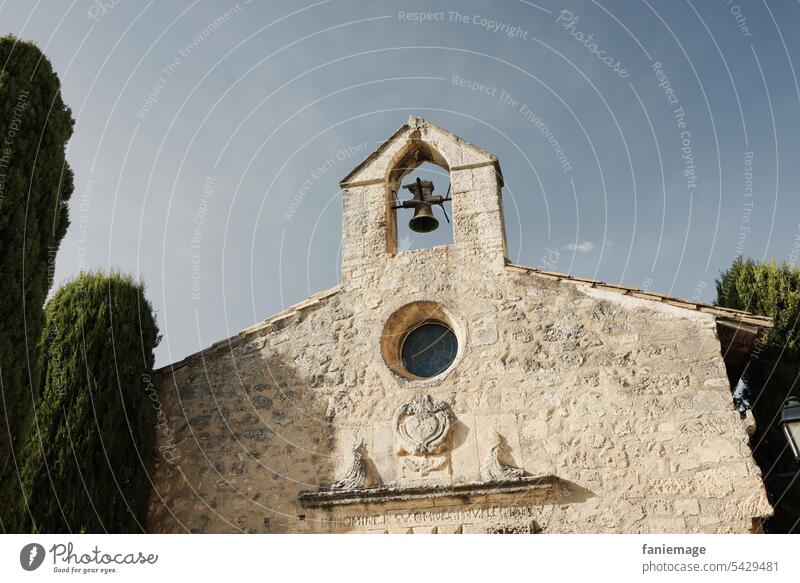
(429, 349)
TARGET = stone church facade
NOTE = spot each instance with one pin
(553, 404)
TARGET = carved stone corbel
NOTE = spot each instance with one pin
(356, 477)
(497, 469)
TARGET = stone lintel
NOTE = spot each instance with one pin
(541, 485)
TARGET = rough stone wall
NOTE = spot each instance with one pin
(625, 401)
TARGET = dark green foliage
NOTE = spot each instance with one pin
(86, 463)
(772, 373)
(35, 185)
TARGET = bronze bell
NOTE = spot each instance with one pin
(423, 220)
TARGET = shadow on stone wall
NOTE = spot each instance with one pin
(233, 455)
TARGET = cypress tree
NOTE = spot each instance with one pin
(35, 185)
(86, 464)
(772, 374)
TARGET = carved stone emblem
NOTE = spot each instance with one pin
(422, 426)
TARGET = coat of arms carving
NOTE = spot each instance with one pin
(422, 426)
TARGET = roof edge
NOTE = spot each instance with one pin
(728, 314)
(375, 153)
(246, 334)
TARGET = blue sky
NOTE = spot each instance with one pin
(644, 143)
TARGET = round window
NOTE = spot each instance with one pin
(429, 349)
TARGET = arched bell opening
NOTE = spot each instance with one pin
(418, 192)
(372, 200)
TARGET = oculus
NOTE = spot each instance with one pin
(422, 341)
(429, 349)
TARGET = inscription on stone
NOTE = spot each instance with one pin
(434, 516)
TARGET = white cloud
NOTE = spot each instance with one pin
(584, 247)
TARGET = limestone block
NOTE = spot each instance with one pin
(715, 483)
(716, 450)
(464, 455)
(381, 452)
(672, 486)
(686, 507)
(664, 525)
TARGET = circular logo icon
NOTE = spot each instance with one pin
(31, 556)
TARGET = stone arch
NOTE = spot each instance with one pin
(369, 233)
(415, 152)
